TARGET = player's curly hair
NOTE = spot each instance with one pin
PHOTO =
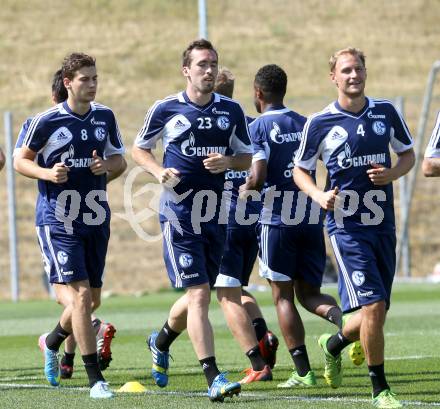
(272, 80)
(349, 50)
(59, 91)
(74, 62)
(200, 44)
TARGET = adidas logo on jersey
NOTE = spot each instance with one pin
(179, 124)
(236, 174)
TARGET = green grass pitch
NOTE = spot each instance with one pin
(412, 349)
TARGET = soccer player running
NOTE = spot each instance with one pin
(431, 161)
(353, 135)
(292, 250)
(203, 134)
(76, 144)
(104, 330)
(241, 310)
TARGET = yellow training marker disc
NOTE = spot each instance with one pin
(132, 387)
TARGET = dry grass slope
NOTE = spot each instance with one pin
(138, 45)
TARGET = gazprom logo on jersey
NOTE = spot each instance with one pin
(188, 148)
(69, 160)
(278, 137)
(214, 111)
(345, 160)
(373, 116)
(236, 174)
(93, 121)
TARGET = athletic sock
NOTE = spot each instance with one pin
(56, 338)
(260, 328)
(256, 359)
(92, 368)
(300, 359)
(336, 343)
(377, 376)
(165, 338)
(334, 315)
(68, 358)
(96, 323)
(210, 369)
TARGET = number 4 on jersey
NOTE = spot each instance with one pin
(360, 130)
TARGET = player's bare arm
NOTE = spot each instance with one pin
(431, 167)
(381, 175)
(116, 167)
(113, 166)
(24, 164)
(218, 163)
(256, 179)
(146, 159)
(306, 183)
(2, 159)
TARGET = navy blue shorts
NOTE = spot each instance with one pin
(74, 257)
(291, 253)
(190, 258)
(367, 264)
(241, 249)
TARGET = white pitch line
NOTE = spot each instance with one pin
(401, 358)
(261, 395)
(22, 378)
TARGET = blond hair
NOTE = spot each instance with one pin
(224, 83)
(349, 50)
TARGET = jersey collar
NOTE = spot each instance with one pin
(335, 108)
(275, 109)
(184, 99)
(65, 109)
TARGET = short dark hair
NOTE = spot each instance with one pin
(75, 62)
(272, 80)
(59, 91)
(224, 83)
(201, 44)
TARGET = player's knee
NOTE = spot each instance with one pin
(282, 293)
(229, 294)
(199, 298)
(375, 311)
(301, 296)
(278, 297)
(83, 300)
(59, 300)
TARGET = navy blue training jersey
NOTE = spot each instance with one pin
(277, 135)
(348, 143)
(189, 133)
(60, 135)
(23, 130)
(245, 210)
